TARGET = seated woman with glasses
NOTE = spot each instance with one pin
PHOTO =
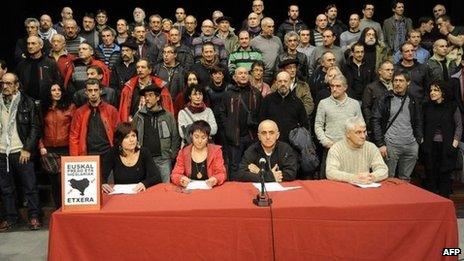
(199, 160)
(131, 164)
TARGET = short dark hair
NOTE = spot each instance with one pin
(89, 15)
(97, 68)
(330, 6)
(102, 11)
(196, 88)
(395, 2)
(216, 69)
(404, 44)
(207, 43)
(356, 44)
(2, 64)
(424, 20)
(405, 74)
(445, 18)
(200, 125)
(258, 63)
(93, 82)
(122, 130)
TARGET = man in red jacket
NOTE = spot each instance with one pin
(93, 126)
(131, 101)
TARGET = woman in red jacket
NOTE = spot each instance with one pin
(57, 116)
(199, 160)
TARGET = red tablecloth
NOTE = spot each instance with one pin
(323, 220)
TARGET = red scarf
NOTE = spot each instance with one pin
(195, 109)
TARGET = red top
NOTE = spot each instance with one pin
(214, 164)
(56, 127)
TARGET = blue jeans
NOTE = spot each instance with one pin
(26, 174)
(164, 166)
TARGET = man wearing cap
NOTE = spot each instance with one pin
(227, 35)
(157, 131)
(298, 87)
(130, 100)
(92, 128)
(125, 68)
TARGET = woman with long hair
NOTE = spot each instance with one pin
(57, 116)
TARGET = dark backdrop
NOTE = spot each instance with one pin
(12, 18)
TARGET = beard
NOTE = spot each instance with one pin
(370, 42)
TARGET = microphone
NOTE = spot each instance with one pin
(261, 199)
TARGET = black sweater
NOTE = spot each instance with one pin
(144, 170)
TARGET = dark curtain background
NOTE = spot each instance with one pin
(12, 18)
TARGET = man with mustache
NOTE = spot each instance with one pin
(125, 69)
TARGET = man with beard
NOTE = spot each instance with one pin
(184, 53)
(284, 108)
(37, 72)
(375, 52)
(90, 33)
(73, 40)
(157, 131)
(125, 68)
(46, 30)
(139, 18)
(293, 23)
(131, 101)
(170, 71)
(239, 116)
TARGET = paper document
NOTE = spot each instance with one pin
(372, 185)
(123, 189)
(274, 186)
(198, 184)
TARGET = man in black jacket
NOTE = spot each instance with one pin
(357, 73)
(19, 134)
(281, 160)
(239, 116)
(284, 108)
(37, 72)
(125, 69)
(397, 127)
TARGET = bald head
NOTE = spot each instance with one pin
(268, 124)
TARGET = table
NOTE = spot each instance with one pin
(324, 220)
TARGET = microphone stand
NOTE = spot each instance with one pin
(262, 199)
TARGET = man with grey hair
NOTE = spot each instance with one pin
(32, 28)
(291, 41)
(156, 36)
(354, 159)
(331, 114)
(139, 18)
(269, 45)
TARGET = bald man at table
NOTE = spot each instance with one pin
(281, 159)
(354, 159)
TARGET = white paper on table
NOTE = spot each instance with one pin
(123, 189)
(372, 185)
(274, 186)
(198, 184)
